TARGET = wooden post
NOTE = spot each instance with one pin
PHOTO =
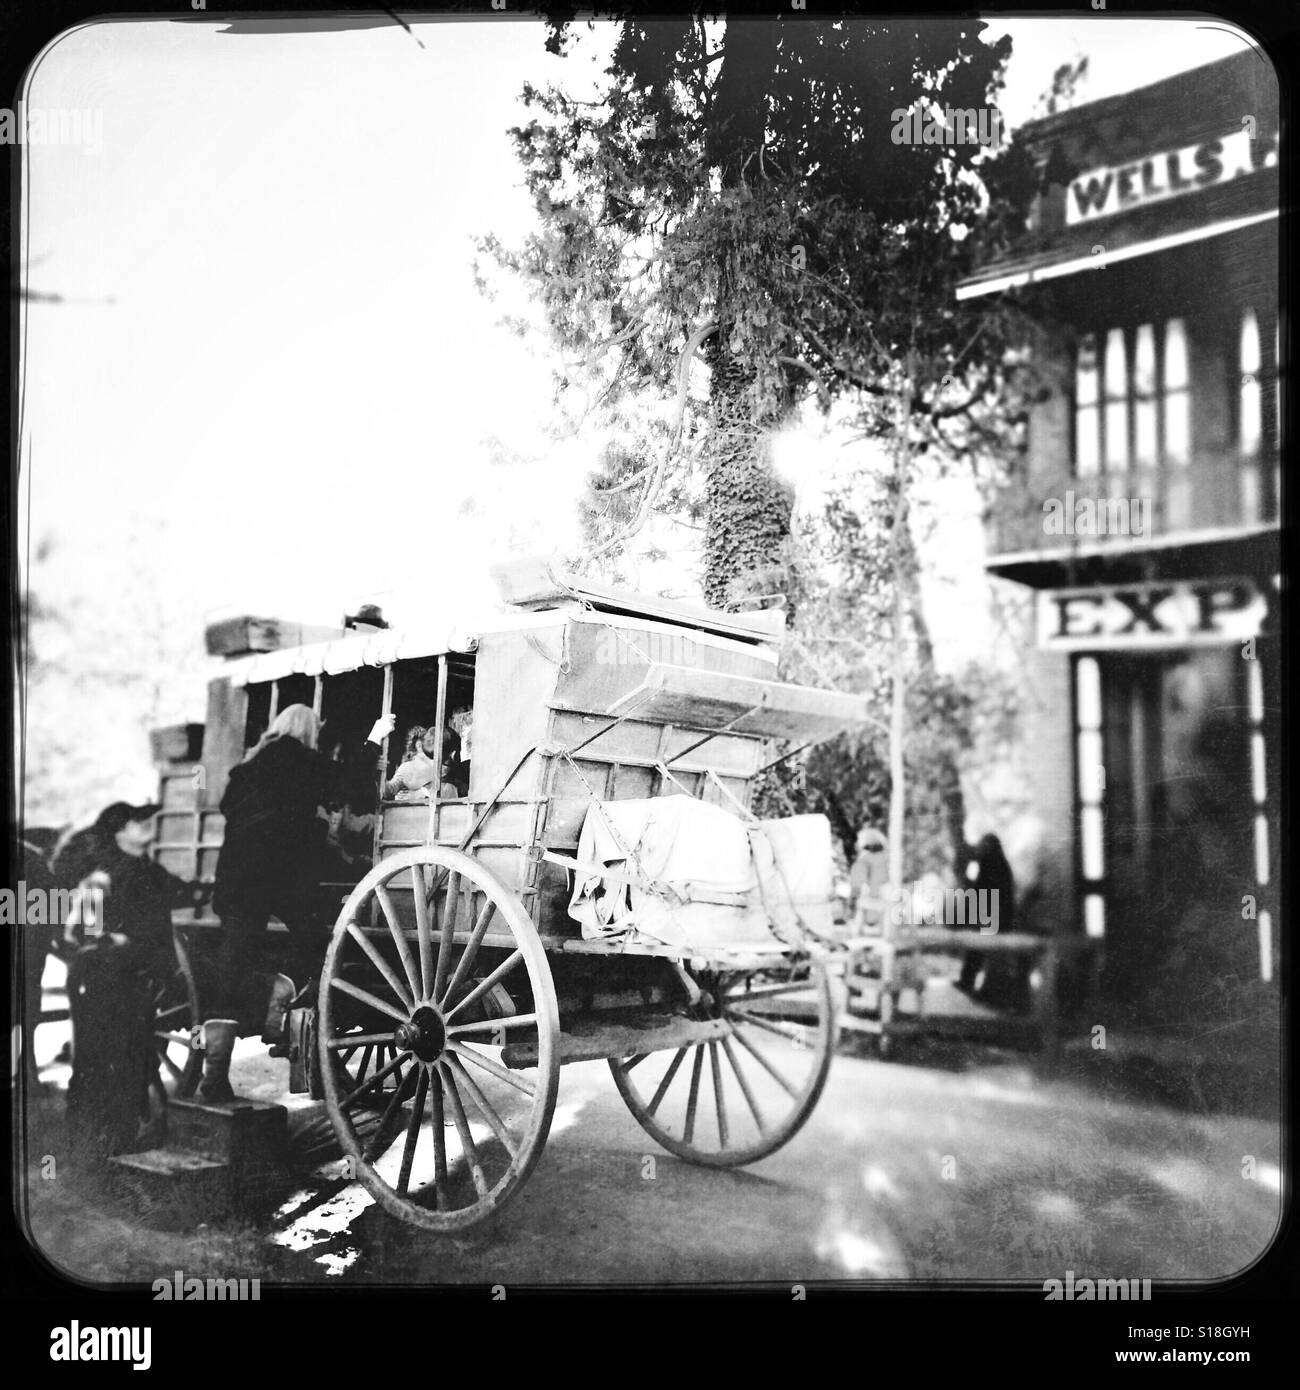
(439, 726)
(381, 767)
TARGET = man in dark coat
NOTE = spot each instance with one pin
(270, 866)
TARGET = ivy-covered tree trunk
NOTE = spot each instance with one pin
(747, 507)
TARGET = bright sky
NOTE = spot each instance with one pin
(272, 367)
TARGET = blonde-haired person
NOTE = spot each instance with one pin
(267, 866)
(419, 768)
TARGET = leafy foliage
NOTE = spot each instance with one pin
(737, 191)
(743, 175)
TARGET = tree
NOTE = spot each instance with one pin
(741, 190)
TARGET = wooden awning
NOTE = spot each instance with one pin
(689, 698)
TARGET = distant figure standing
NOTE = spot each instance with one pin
(868, 875)
(984, 867)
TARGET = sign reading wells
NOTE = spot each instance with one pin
(1121, 187)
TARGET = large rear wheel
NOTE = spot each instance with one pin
(733, 1099)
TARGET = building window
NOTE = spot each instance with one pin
(1087, 424)
(1259, 412)
(1090, 782)
(1249, 420)
(1176, 395)
(1132, 400)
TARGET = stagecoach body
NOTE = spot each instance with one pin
(461, 972)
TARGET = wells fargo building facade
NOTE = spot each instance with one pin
(1150, 269)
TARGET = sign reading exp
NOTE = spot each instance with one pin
(1120, 187)
(1172, 614)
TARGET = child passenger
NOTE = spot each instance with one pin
(418, 770)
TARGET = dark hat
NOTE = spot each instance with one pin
(113, 818)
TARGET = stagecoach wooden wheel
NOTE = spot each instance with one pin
(433, 968)
(736, 1098)
(176, 1011)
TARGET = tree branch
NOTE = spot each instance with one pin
(674, 439)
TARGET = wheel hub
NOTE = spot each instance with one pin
(424, 1034)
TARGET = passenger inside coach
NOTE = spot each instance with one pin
(420, 768)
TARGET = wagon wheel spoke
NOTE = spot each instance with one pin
(744, 1085)
(399, 939)
(423, 931)
(175, 1008)
(695, 1093)
(467, 1143)
(383, 1136)
(717, 1093)
(482, 1104)
(349, 1042)
(513, 959)
(468, 955)
(447, 933)
(765, 1064)
(369, 1085)
(404, 996)
(758, 1021)
(439, 1122)
(490, 1025)
(365, 997)
(667, 1081)
(413, 1130)
(495, 1068)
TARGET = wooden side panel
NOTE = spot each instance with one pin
(609, 659)
(641, 741)
(223, 736)
(514, 681)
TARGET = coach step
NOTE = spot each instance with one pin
(173, 1187)
(243, 1133)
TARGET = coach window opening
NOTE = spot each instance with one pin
(435, 692)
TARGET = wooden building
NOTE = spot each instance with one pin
(1146, 522)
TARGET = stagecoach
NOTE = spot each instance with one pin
(601, 892)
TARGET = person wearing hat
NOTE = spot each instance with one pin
(112, 980)
(868, 876)
(139, 894)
